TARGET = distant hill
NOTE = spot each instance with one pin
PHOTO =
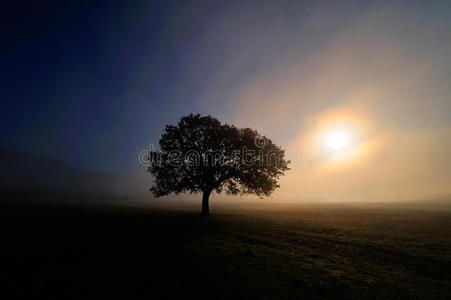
(30, 177)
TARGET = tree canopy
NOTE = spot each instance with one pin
(200, 154)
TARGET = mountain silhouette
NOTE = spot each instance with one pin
(28, 177)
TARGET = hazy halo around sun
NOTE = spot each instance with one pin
(341, 137)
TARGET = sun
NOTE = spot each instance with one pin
(339, 136)
(337, 140)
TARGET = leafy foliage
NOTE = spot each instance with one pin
(201, 154)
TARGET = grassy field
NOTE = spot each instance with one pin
(311, 252)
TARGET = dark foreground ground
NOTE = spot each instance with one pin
(128, 253)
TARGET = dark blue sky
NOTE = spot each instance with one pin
(93, 82)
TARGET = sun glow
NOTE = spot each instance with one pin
(337, 140)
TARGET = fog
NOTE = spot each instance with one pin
(383, 67)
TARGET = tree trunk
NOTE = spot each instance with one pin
(205, 197)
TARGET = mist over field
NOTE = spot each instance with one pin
(382, 67)
(269, 149)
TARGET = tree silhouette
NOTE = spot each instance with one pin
(202, 155)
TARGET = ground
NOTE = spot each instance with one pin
(70, 252)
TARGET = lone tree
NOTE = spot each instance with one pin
(202, 155)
